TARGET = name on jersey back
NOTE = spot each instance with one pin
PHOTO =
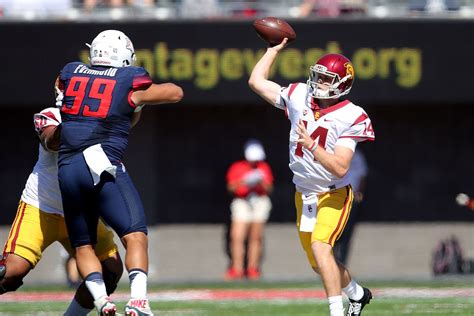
(83, 69)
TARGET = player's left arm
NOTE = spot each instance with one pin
(158, 94)
(336, 163)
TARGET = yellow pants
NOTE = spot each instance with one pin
(33, 231)
(334, 208)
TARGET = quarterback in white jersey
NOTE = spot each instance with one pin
(343, 124)
(40, 221)
(325, 130)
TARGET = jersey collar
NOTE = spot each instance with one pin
(318, 112)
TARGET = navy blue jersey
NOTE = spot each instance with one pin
(97, 107)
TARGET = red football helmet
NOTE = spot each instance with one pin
(335, 69)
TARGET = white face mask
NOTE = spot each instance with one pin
(322, 93)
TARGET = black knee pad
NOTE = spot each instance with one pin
(10, 285)
(111, 280)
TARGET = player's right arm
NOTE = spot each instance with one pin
(158, 94)
(259, 82)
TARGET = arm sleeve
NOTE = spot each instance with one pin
(347, 142)
(62, 77)
(361, 130)
(141, 79)
(67, 72)
(283, 98)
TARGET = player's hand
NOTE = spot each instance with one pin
(280, 46)
(303, 136)
(59, 97)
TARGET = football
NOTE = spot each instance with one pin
(273, 30)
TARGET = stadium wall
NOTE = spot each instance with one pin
(196, 253)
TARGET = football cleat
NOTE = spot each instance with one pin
(105, 306)
(355, 307)
(138, 307)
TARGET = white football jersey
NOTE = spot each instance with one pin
(42, 188)
(343, 124)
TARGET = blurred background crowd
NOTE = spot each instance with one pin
(218, 9)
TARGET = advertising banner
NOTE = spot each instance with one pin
(396, 62)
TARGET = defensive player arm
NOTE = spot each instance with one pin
(258, 80)
(158, 94)
(50, 137)
(337, 163)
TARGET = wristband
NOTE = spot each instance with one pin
(313, 147)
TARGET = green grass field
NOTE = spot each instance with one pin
(412, 303)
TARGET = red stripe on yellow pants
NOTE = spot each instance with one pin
(16, 227)
(344, 216)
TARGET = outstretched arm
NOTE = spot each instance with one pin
(158, 94)
(258, 80)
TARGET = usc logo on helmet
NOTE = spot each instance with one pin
(349, 70)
